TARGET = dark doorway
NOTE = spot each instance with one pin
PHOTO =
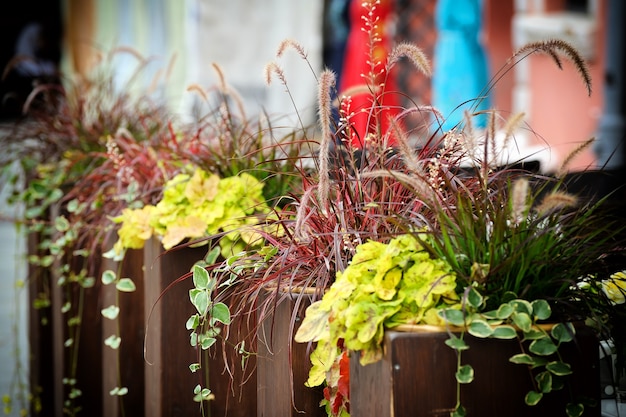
(30, 50)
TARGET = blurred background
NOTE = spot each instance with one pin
(463, 38)
(468, 41)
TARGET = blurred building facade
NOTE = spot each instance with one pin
(242, 38)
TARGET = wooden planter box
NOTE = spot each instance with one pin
(283, 365)
(50, 360)
(416, 379)
(160, 383)
(131, 325)
(169, 383)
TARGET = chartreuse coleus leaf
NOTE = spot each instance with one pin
(314, 324)
(385, 284)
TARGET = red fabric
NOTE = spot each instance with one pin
(365, 116)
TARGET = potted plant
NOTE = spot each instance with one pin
(440, 235)
(236, 168)
(66, 167)
(98, 153)
(489, 253)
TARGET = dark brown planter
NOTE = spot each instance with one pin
(416, 379)
(169, 382)
(131, 326)
(283, 365)
(51, 361)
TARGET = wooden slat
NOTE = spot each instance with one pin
(278, 355)
(169, 382)
(416, 378)
(110, 403)
(153, 355)
(131, 330)
(41, 364)
(58, 334)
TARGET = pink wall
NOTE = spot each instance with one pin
(497, 39)
(561, 113)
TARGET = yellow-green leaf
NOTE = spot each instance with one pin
(314, 325)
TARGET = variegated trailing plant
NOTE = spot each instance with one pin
(96, 152)
(507, 261)
(234, 175)
(64, 163)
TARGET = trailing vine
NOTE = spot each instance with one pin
(517, 319)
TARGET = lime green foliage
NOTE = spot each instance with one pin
(385, 285)
(615, 287)
(196, 205)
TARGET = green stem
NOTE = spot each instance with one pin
(206, 381)
(117, 351)
(458, 366)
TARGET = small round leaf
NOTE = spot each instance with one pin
(504, 311)
(563, 332)
(108, 277)
(221, 313)
(111, 312)
(559, 368)
(544, 381)
(192, 322)
(207, 341)
(574, 410)
(126, 285)
(522, 320)
(113, 341)
(200, 277)
(480, 328)
(453, 316)
(504, 332)
(200, 300)
(544, 346)
(541, 309)
(521, 306)
(534, 333)
(465, 374)
(533, 398)
(456, 343)
(474, 298)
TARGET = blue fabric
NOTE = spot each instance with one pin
(460, 65)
